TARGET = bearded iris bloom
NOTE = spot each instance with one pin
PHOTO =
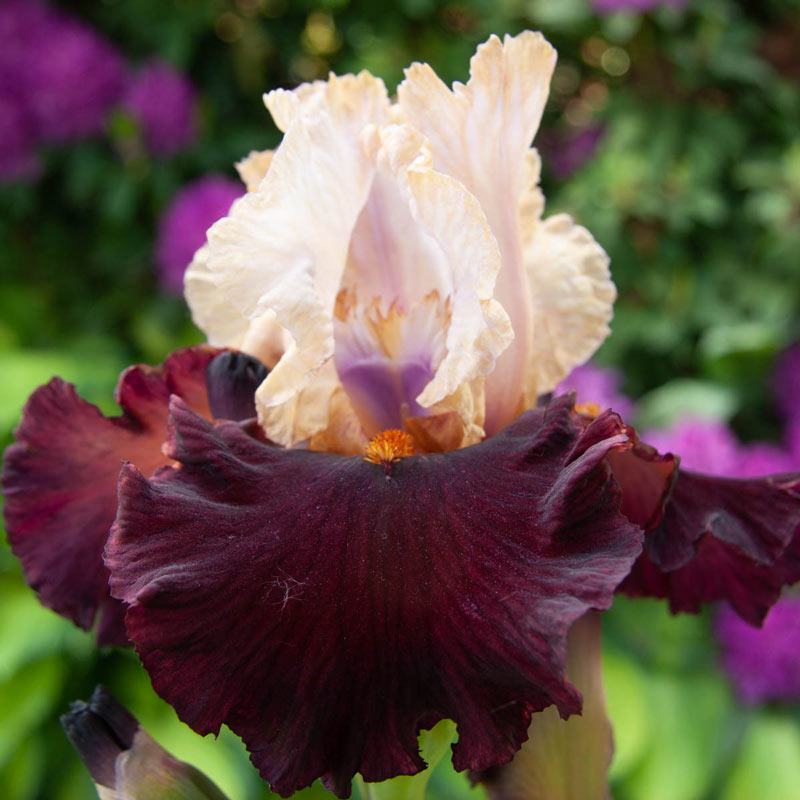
(366, 515)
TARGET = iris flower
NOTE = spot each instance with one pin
(367, 515)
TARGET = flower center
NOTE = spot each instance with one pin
(590, 410)
(389, 446)
(386, 356)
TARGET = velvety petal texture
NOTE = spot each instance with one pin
(722, 539)
(646, 478)
(60, 479)
(327, 608)
(564, 759)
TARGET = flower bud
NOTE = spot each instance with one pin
(124, 761)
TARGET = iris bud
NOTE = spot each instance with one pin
(124, 761)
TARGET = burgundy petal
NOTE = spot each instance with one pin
(326, 609)
(722, 539)
(60, 481)
(646, 479)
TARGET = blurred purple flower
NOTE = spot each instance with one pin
(599, 385)
(763, 663)
(763, 458)
(162, 100)
(75, 85)
(704, 445)
(183, 226)
(568, 152)
(786, 382)
(17, 157)
(792, 438)
(68, 76)
(20, 22)
(710, 446)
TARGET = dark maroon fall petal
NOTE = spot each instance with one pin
(60, 481)
(646, 478)
(722, 539)
(326, 610)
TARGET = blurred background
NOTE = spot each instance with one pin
(672, 133)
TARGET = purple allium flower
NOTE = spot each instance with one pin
(162, 100)
(565, 154)
(598, 385)
(182, 229)
(72, 77)
(610, 6)
(710, 446)
(792, 438)
(763, 458)
(17, 141)
(21, 21)
(704, 445)
(764, 664)
(786, 382)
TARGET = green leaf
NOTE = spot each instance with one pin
(29, 631)
(25, 700)
(686, 397)
(23, 370)
(626, 692)
(768, 763)
(685, 747)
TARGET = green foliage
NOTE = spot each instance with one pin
(694, 190)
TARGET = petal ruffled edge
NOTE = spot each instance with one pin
(722, 539)
(60, 481)
(573, 300)
(501, 583)
(262, 258)
(503, 103)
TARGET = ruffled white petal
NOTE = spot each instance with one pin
(573, 298)
(283, 248)
(222, 323)
(253, 167)
(284, 104)
(531, 202)
(480, 134)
